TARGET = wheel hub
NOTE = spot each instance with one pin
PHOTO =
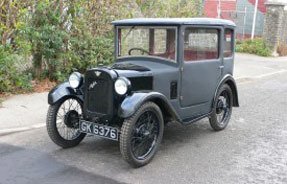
(71, 119)
(219, 106)
(146, 133)
(143, 132)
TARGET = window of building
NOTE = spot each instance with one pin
(201, 44)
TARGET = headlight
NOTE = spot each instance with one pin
(75, 79)
(122, 85)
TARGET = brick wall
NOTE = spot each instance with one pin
(235, 10)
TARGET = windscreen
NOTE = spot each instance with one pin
(147, 41)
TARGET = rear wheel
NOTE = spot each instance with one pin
(63, 122)
(222, 109)
(141, 135)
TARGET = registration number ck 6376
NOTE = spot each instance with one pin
(99, 130)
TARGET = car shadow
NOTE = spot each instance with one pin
(23, 166)
(177, 135)
(105, 152)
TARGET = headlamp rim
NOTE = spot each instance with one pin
(128, 84)
(79, 77)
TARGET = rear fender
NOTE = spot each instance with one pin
(229, 80)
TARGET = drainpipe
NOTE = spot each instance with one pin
(254, 19)
(244, 22)
(202, 8)
(219, 9)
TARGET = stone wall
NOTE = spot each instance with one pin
(284, 29)
(275, 24)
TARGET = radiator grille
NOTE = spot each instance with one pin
(99, 93)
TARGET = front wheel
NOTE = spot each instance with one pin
(63, 122)
(141, 135)
(222, 109)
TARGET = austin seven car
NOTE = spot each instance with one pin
(165, 70)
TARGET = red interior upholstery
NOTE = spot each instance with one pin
(191, 55)
(170, 55)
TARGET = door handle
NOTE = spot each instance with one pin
(220, 70)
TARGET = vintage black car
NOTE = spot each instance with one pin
(165, 70)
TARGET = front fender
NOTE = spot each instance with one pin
(62, 91)
(132, 103)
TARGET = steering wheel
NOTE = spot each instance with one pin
(140, 49)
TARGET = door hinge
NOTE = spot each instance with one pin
(181, 69)
(181, 97)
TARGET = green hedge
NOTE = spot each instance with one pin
(60, 37)
(13, 78)
(256, 46)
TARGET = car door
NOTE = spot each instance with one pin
(201, 67)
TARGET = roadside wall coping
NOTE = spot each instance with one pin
(276, 3)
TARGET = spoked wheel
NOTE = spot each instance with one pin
(222, 108)
(144, 135)
(141, 135)
(63, 122)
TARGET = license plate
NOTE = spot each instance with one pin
(99, 130)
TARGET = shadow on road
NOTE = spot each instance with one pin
(19, 165)
(94, 151)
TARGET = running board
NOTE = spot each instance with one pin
(193, 119)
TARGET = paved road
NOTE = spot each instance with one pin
(28, 111)
(253, 149)
(251, 66)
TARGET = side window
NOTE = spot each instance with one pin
(201, 44)
(228, 42)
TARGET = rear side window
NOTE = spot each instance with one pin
(201, 44)
(228, 42)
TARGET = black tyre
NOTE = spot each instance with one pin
(222, 109)
(141, 135)
(63, 122)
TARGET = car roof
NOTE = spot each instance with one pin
(174, 21)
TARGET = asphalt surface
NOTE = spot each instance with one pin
(28, 111)
(252, 149)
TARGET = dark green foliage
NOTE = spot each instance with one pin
(88, 51)
(62, 41)
(13, 78)
(85, 52)
(62, 36)
(169, 8)
(256, 46)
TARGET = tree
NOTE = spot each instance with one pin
(67, 35)
(11, 12)
(170, 8)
